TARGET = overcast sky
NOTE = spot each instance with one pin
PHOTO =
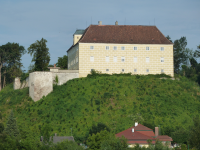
(25, 21)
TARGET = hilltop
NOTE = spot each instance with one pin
(111, 100)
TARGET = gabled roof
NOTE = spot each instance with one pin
(124, 34)
(136, 135)
(141, 127)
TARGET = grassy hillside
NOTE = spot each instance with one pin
(79, 103)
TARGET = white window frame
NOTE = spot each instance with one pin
(147, 70)
(135, 59)
(147, 59)
(107, 58)
(147, 48)
(107, 47)
(91, 47)
(122, 59)
(123, 48)
(135, 70)
(115, 48)
(122, 70)
(162, 48)
(162, 59)
(162, 71)
(115, 59)
(107, 70)
(91, 58)
(135, 48)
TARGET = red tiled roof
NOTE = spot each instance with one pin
(124, 34)
(164, 138)
(140, 127)
(147, 133)
(134, 135)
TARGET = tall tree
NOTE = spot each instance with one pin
(62, 62)
(10, 61)
(41, 55)
(197, 52)
(11, 126)
(180, 53)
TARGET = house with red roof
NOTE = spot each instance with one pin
(140, 134)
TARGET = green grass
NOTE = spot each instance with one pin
(79, 103)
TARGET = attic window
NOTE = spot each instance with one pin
(115, 48)
(122, 48)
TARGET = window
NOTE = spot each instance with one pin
(135, 59)
(147, 59)
(123, 59)
(91, 47)
(162, 70)
(147, 70)
(76, 59)
(135, 70)
(115, 58)
(162, 48)
(135, 48)
(107, 58)
(92, 70)
(162, 59)
(122, 48)
(115, 48)
(107, 70)
(122, 70)
(92, 58)
(147, 48)
(107, 47)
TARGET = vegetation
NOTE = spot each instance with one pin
(41, 55)
(10, 62)
(81, 103)
(62, 62)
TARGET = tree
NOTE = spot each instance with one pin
(194, 134)
(98, 128)
(1, 125)
(180, 53)
(10, 62)
(168, 37)
(62, 62)
(197, 52)
(94, 141)
(11, 126)
(41, 55)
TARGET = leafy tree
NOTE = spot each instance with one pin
(94, 141)
(11, 126)
(67, 145)
(113, 143)
(10, 62)
(168, 37)
(41, 55)
(46, 134)
(194, 134)
(62, 62)
(98, 128)
(180, 53)
(197, 52)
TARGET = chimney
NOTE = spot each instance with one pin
(132, 129)
(156, 131)
(55, 134)
(100, 22)
(116, 23)
(54, 65)
(136, 124)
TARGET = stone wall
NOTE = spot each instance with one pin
(41, 84)
(64, 77)
(20, 85)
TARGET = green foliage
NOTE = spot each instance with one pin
(41, 55)
(95, 140)
(194, 134)
(62, 62)
(113, 143)
(68, 145)
(81, 103)
(11, 126)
